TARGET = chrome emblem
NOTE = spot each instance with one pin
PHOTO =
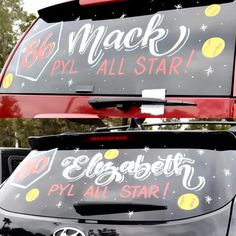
(68, 231)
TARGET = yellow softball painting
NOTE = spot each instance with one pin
(213, 47)
(213, 10)
(111, 154)
(188, 201)
(32, 195)
(7, 81)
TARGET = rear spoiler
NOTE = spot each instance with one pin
(70, 10)
(212, 140)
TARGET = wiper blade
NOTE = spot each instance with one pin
(125, 103)
(98, 208)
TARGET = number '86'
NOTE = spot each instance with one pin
(37, 50)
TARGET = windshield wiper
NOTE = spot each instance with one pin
(125, 103)
(98, 208)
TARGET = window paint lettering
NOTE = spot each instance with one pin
(60, 194)
(162, 50)
(32, 167)
(37, 50)
(127, 191)
(105, 172)
(62, 67)
(96, 192)
(35, 166)
(117, 67)
(97, 40)
(61, 189)
(143, 191)
(112, 67)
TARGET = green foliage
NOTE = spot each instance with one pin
(170, 127)
(13, 22)
(14, 131)
(116, 122)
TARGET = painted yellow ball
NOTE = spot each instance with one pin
(32, 195)
(111, 154)
(188, 201)
(213, 10)
(7, 81)
(213, 47)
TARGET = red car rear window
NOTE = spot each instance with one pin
(187, 51)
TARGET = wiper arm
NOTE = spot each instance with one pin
(125, 103)
(98, 208)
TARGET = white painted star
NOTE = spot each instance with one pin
(208, 199)
(70, 82)
(209, 71)
(17, 196)
(59, 205)
(227, 172)
(204, 27)
(146, 149)
(179, 6)
(130, 214)
(200, 152)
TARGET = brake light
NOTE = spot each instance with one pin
(2, 73)
(109, 138)
(98, 2)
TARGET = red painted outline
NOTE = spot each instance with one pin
(86, 3)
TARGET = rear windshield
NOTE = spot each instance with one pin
(179, 183)
(128, 50)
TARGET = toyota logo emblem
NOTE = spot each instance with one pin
(68, 231)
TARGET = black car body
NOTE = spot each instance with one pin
(123, 183)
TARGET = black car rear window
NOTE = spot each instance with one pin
(186, 49)
(159, 184)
